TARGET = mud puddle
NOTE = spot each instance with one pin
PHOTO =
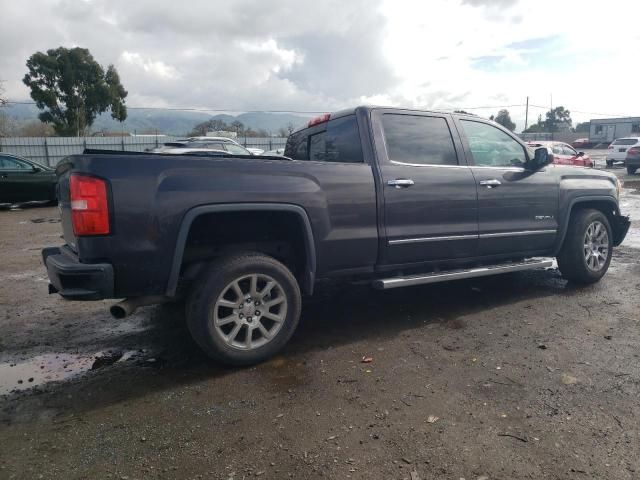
(16, 376)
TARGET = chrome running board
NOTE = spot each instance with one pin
(396, 282)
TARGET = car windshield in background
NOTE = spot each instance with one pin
(236, 149)
(625, 141)
(211, 145)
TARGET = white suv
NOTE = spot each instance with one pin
(617, 151)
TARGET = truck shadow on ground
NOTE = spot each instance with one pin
(338, 314)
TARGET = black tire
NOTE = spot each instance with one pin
(212, 286)
(571, 260)
(631, 170)
(609, 163)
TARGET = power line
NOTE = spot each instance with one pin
(588, 113)
(193, 109)
(204, 109)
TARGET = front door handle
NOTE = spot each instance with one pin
(493, 183)
(400, 182)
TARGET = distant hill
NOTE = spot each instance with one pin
(271, 122)
(174, 122)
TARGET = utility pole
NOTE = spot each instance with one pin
(526, 116)
(553, 117)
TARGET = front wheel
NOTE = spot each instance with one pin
(631, 170)
(609, 163)
(244, 308)
(586, 252)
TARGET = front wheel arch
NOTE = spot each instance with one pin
(607, 205)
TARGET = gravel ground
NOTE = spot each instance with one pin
(516, 376)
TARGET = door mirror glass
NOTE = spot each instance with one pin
(540, 159)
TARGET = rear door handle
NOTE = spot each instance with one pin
(400, 182)
(493, 183)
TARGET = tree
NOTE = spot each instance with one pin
(212, 125)
(290, 128)
(536, 127)
(72, 89)
(504, 119)
(583, 127)
(35, 128)
(238, 126)
(7, 126)
(3, 101)
(558, 118)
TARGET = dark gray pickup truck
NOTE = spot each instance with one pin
(395, 197)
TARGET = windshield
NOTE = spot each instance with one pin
(237, 150)
(625, 141)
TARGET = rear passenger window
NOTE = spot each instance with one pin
(338, 142)
(297, 147)
(419, 140)
(343, 140)
(317, 146)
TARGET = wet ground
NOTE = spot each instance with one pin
(516, 376)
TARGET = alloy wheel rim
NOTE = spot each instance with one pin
(596, 246)
(250, 311)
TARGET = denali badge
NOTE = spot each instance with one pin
(543, 217)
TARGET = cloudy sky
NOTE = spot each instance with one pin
(323, 55)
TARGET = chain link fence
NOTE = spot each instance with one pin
(50, 150)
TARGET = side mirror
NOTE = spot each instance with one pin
(35, 169)
(581, 154)
(540, 159)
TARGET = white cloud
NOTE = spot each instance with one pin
(567, 49)
(290, 54)
(154, 68)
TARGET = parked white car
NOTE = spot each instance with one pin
(617, 151)
(226, 148)
(255, 151)
(212, 139)
(195, 151)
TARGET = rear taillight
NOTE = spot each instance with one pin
(89, 205)
(634, 151)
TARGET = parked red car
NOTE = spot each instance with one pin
(564, 154)
(581, 143)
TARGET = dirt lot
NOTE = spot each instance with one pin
(517, 376)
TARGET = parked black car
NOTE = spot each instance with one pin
(390, 196)
(632, 160)
(23, 180)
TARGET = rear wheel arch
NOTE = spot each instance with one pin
(307, 275)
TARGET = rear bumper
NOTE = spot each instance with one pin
(620, 229)
(74, 280)
(632, 161)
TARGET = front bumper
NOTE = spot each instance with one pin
(74, 280)
(620, 228)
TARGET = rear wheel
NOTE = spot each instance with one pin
(609, 163)
(244, 309)
(586, 253)
(631, 170)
